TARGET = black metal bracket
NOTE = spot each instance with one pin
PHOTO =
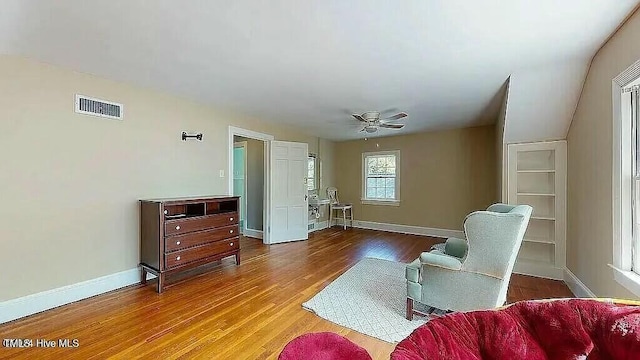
(185, 136)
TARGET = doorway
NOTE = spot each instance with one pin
(248, 183)
(239, 179)
(251, 179)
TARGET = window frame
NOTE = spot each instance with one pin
(371, 201)
(315, 171)
(625, 272)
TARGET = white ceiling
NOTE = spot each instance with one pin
(312, 63)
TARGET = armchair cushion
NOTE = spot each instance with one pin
(443, 261)
(456, 247)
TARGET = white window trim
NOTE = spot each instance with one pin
(622, 175)
(363, 198)
(315, 173)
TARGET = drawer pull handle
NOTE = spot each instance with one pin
(178, 227)
(230, 231)
(230, 219)
(177, 242)
(231, 244)
(166, 212)
(178, 258)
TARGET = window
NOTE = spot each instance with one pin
(380, 178)
(635, 180)
(626, 180)
(311, 172)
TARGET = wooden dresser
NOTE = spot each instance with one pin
(181, 233)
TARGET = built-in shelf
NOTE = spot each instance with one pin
(533, 262)
(536, 176)
(536, 171)
(543, 218)
(534, 194)
(540, 241)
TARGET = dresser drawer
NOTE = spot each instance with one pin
(186, 256)
(178, 242)
(181, 226)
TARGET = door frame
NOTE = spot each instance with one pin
(266, 139)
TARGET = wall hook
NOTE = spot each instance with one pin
(185, 136)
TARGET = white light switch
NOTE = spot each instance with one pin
(222, 173)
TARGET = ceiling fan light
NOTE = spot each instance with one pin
(371, 129)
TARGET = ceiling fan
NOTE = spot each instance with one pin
(372, 121)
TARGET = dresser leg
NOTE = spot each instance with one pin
(160, 283)
(237, 258)
(143, 276)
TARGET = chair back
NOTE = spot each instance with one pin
(494, 238)
(332, 193)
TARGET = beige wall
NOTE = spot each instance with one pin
(443, 176)
(590, 157)
(500, 147)
(70, 183)
(326, 155)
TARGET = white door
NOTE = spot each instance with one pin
(289, 209)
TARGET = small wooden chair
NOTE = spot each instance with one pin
(334, 204)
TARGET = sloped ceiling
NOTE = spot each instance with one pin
(312, 63)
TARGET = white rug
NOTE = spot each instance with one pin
(369, 298)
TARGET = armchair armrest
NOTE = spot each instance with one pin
(456, 247)
(443, 261)
(412, 271)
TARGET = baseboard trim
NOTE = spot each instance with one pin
(45, 300)
(320, 225)
(253, 233)
(404, 229)
(577, 287)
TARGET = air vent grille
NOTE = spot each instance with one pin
(96, 107)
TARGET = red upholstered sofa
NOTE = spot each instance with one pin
(532, 330)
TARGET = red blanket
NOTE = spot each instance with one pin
(561, 329)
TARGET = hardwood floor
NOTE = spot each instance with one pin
(231, 312)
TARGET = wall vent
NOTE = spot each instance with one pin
(96, 107)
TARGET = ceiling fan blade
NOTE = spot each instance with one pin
(359, 117)
(396, 116)
(391, 126)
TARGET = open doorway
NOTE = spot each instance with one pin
(239, 178)
(249, 179)
(248, 183)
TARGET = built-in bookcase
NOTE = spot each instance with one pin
(536, 175)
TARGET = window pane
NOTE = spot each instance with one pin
(380, 182)
(371, 192)
(390, 182)
(371, 182)
(371, 165)
(390, 193)
(380, 193)
(390, 171)
(392, 161)
(310, 184)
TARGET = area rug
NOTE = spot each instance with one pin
(369, 298)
